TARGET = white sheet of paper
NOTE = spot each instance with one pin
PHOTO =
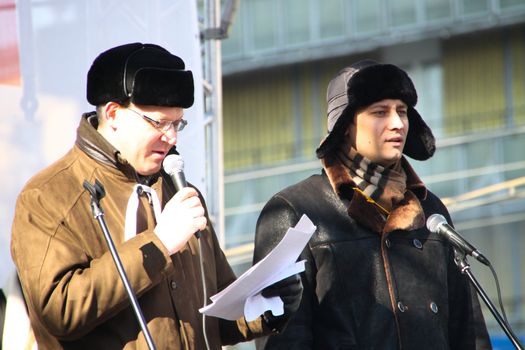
(262, 303)
(242, 297)
(257, 304)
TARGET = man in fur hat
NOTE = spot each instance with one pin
(72, 288)
(375, 277)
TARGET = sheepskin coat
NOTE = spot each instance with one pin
(371, 283)
(74, 295)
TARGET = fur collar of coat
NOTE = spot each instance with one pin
(406, 215)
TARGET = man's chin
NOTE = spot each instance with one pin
(150, 170)
(391, 159)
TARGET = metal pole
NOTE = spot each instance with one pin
(464, 267)
(97, 192)
(213, 75)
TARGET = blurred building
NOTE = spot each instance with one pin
(467, 60)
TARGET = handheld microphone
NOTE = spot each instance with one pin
(174, 166)
(437, 223)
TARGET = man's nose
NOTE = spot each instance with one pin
(170, 136)
(396, 121)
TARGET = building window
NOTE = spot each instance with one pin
(296, 21)
(511, 3)
(403, 12)
(264, 20)
(474, 7)
(369, 18)
(331, 18)
(437, 9)
(428, 80)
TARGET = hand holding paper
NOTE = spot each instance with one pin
(290, 291)
(242, 297)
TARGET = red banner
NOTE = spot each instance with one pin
(9, 56)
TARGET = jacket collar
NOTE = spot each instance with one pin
(90, 141)
(406, 215)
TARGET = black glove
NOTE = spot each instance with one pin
(290, 290)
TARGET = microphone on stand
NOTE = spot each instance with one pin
(437, 223)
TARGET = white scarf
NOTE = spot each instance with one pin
(130, 228)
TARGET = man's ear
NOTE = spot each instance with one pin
(110, 113)
(351, 124)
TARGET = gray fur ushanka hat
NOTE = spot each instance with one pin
(145, 74)
(362, 84)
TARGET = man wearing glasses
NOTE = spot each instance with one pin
(73, 291)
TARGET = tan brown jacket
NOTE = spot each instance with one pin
(74, 294)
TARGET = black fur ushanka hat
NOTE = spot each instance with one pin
(362, 84)
(145, 74)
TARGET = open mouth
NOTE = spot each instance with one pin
(159, 153)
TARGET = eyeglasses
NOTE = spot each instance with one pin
(163, 125)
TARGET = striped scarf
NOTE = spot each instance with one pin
(385, 187)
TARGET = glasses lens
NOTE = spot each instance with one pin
(165, 125)
(181, 125)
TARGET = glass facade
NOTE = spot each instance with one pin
(473, 7)
(331, 19)
(270, 31)
(402, 13)
(437, 9)
(370, 16)
(264, 25)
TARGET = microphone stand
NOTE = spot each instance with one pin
(97, 193)
(461, 261)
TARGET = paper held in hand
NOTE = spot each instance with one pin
(243, 297)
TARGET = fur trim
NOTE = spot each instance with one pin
(406, 215)
(337, 173)
(366, 213)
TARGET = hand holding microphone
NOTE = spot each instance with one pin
(183, 215)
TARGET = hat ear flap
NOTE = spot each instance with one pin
(335, 138)
(420, 142)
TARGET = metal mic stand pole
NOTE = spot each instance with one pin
(461, 261)
(97, 193)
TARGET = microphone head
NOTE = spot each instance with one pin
(434, 221)
(173, 164)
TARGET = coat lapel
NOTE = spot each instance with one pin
(406, 215)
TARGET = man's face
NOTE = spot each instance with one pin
(379, 131)
(139, 142)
